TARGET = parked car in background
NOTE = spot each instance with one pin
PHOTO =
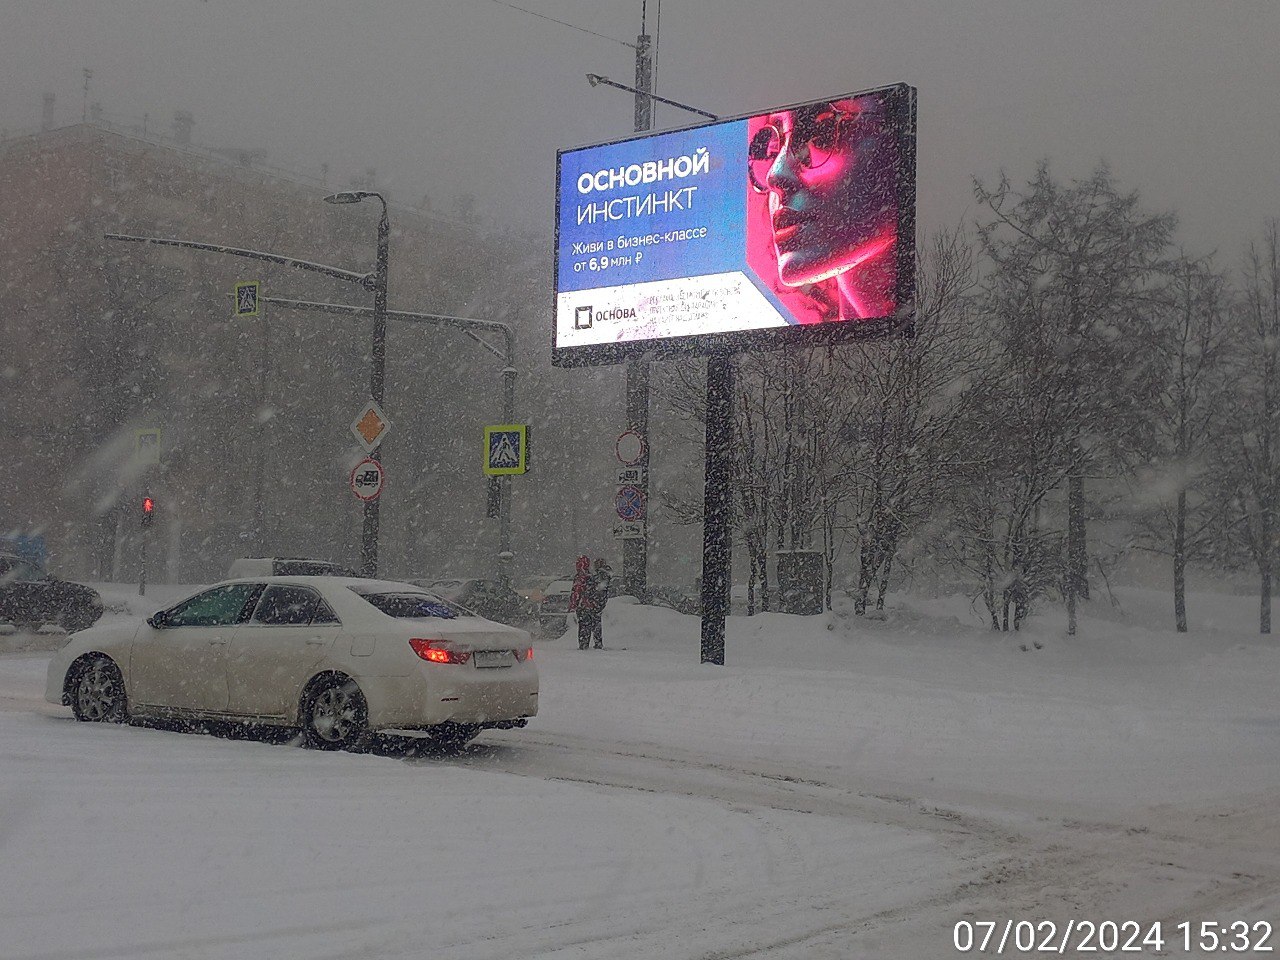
(533, 589)
(339, 658)
(30, 597)
(486, 598)
(676, 599)
(553, 611)
(287, 567)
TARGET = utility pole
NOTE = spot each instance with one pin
(84, 113)
(259, 481)
(635, 553)
(148, 516)
(717, 496)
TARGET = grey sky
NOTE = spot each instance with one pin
(451, 96)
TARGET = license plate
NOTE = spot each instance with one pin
(493, 658)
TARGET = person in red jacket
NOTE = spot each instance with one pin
(581, 578)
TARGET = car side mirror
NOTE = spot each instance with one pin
(157, 620)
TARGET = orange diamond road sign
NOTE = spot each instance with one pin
(370, 426)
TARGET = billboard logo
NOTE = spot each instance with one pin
(582, 318)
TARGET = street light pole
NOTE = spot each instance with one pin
(635, 553)
(717, 498)
(378, 364)
(375, 282)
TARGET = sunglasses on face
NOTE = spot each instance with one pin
(813, 140)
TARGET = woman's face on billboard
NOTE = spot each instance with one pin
(829, 170)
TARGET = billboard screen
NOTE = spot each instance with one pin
(795, 225)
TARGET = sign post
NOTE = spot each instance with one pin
(506, 455)
(632, 451)
(148, 518)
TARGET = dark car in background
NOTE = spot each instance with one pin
(29, 597)
(553, 611)
(488, 598)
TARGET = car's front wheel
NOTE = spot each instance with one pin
(335, 715)
(97, 692)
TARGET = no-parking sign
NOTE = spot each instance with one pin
(630, 503)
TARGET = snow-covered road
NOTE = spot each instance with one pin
(829, 794)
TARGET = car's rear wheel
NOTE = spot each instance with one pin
(335, 715)
(455, 735)
(98, 694)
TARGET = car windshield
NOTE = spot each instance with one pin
(404, 605)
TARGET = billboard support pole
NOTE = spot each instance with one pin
(717, 504)
(635, 553)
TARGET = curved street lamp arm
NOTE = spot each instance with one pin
(595, 78)
(468, 324)
(366, 280)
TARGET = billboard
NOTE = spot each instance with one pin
(791, 226)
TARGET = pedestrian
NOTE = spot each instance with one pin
(595, 597)
(581, 578)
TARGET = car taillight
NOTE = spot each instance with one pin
(438, 651)
(524, 654)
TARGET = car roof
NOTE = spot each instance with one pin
(308, 579)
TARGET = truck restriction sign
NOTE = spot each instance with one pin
(367, 479)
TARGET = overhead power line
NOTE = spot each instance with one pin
(571, 26)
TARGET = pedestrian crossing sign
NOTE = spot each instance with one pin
(506, 449)
(247, 304)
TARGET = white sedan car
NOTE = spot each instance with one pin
(338, 657)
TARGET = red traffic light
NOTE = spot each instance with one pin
(148, 505)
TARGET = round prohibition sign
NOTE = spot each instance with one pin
(629, 448)
(630, 503)
(367, 479)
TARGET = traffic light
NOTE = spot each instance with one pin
(148, 511)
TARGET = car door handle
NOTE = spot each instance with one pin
(216, 642)
(315, 642)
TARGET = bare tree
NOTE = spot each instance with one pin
(1179, 510)
(1072, 285)
(899, 432)
(1012, 459)
(851, 444)
(1254, 417)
